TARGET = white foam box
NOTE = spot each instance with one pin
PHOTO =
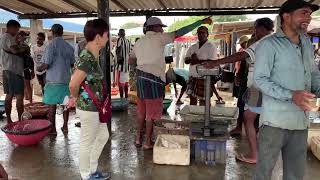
(172, 150)
(315, 146)
(313, 130)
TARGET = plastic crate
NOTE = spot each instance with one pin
(216, 128)
(210, 152)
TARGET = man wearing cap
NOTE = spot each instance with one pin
(12, 66)
(148, 53)
(200, 52)
(58, 59)
(243, 45)
(286, 75)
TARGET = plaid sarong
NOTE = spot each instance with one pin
(149, 86)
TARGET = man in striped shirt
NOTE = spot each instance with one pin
(123, 50)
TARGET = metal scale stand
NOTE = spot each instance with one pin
(207, 73)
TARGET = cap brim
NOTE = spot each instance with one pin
(314, 7)
(162, 25)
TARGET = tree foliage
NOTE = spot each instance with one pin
(316, 13)
(130, 25)
(181, 23)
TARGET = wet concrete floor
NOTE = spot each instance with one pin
(56, 158)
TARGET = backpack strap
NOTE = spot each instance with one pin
(91, 95)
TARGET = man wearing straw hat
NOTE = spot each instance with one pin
(148, 53)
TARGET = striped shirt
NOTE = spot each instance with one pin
(125, 49)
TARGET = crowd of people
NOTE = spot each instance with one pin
(276, 78)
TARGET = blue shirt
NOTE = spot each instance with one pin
(59, 55)
(282, 67)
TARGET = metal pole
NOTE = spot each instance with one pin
(104, 13)
(206, 131)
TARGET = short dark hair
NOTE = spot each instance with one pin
(13, 23)
(265, 22)
(41, 34)
(121, 30)
(203, 28)
(149, 28)
(95, 27)
(57, 29)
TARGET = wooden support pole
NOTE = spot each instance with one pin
(104, 13)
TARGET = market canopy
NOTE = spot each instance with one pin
(40, 9)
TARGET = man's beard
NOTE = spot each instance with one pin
(301, 29)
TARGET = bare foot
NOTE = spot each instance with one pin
(236, 131)
(249, 160)
(147, 147)
(179, 102)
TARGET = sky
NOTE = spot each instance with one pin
(116, 22)
(76, 24)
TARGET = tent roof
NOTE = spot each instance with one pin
(39, 9)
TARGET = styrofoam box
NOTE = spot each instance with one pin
(315, 146)
(172, 150)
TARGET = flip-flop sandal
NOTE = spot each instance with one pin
(138, 145)
(241, 158)
(78, 124)
(145, 147)
(235, 134)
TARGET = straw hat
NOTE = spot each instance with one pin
(243, 39)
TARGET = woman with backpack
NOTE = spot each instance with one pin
(87, 92)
